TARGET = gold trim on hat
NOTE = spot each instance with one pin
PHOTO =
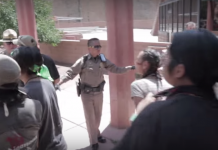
(9, 37)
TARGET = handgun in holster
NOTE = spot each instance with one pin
(78, 87)
(101, 86)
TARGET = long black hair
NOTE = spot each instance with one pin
(153, 58)
(197, 50)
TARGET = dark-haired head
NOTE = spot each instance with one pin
(148, 62)
(27, 57)
(94, 47)
(193, 59)
(91, 40)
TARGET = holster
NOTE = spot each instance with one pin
(78, 87)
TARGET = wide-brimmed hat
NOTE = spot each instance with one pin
(9, 35)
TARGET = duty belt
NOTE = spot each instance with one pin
(87, 89)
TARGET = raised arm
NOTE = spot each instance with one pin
(115, 69)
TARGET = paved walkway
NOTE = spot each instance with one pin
(74, 126)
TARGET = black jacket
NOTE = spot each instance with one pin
(187, 120)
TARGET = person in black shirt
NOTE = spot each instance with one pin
(48, 61)
(26, 40)
(188, 118)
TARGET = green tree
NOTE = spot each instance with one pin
(47, 32)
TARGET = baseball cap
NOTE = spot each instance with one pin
(9, 70)
(25, 40)
(9, 35)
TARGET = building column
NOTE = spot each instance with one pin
(119, 14)
(26, 18)
(209, 16)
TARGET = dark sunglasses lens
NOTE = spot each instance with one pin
(97, 46)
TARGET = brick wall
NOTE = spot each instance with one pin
(163, 36)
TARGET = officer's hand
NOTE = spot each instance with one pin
(133, 68)
(60, 82)
(130, 67)
(57, 87)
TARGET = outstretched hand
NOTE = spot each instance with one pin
(130, 67)
(57, 87)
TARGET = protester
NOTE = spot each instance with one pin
(20, 117)
(188, 118)
(40, 88)
(147, 64)
(27, 40)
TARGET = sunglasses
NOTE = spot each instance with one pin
(96, 46)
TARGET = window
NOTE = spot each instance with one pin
(175, 16)
(164, 18)
(194, 13)
(169, 18)
(180, 16)
(187, 13)
(203, 14)
(215, 15)
(161, 20)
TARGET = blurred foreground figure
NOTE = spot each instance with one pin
(188, 118)
(20, 117)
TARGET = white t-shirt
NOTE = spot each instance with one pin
(141, 87)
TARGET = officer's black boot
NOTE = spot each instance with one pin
(95, 146)
(101, 139)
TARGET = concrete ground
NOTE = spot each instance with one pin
(74, 125)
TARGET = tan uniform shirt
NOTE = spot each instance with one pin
(92, 71)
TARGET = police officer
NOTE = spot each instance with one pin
(8, 36)
(90, 67)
